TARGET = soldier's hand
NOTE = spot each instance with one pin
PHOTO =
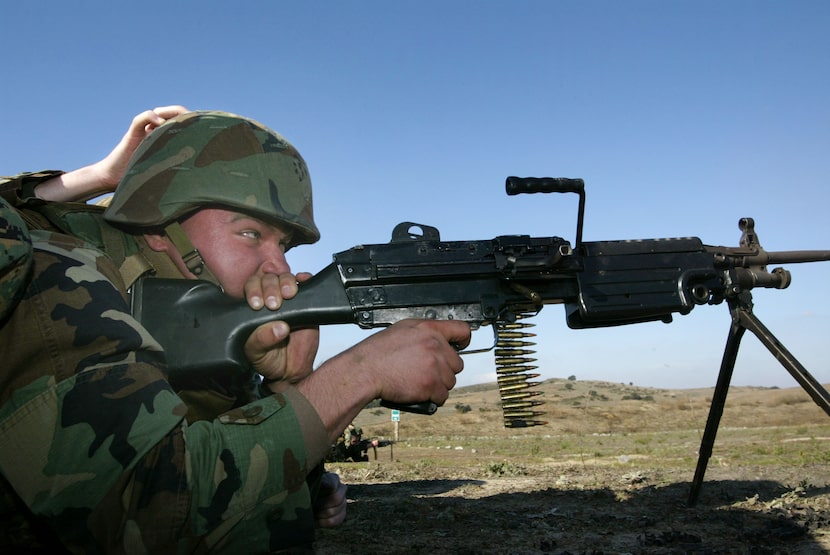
(269, 290)
(111, 169)
(331, 511)
(416, 360)
(410, 361)
(273, 349)
(280, 354)
(103, 176)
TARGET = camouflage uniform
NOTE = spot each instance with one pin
(15, 258)
(94, 442)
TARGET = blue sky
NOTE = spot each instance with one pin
(681, 117)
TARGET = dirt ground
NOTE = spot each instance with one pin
(766, 489)
(569, 509)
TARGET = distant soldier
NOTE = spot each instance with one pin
(351, 432)
(351, 446)
(356, 446)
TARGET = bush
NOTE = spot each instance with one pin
(634, 396)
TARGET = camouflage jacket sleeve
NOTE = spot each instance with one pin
(20, 187)
(94, 440)
(15, 258)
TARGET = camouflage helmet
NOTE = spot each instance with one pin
(215, 159)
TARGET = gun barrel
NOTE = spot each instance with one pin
(754, 256)
(794, 257)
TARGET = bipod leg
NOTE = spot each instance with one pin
(730, 355)
(816, 391)
(743, 319)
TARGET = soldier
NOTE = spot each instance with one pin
(352, 432)
(350, 445)
(356, 447)
(98, 449)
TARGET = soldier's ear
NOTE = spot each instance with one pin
(159, 242)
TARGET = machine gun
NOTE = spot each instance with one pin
(499, 282)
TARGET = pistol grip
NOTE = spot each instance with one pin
(427, 407)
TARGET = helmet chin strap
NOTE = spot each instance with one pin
(190, 255)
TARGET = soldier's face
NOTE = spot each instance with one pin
(237, 247)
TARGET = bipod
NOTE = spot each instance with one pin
(740, 308)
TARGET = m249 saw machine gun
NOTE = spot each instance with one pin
(498, 282)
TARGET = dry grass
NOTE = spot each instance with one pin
(605, 421)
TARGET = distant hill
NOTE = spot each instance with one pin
(574, 406)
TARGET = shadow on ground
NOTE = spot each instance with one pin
(464, 516)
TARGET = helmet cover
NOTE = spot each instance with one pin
(207, 159)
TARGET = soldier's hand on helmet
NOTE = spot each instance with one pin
(331, 510)
(103, 176)
(111, 169)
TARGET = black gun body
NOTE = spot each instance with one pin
(625, 282)
(474, 281)
(480, 282)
